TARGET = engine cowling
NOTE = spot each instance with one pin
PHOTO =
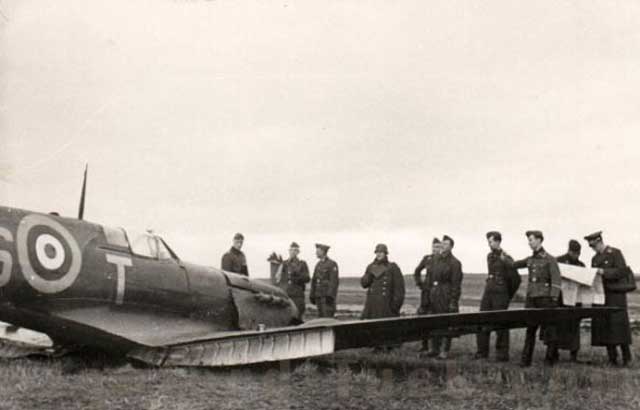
(259, 304)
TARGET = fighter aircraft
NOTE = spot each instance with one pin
(128, 293)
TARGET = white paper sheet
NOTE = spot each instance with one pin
(574, 292)
(598, 288)
(584, 276)
(569, 292)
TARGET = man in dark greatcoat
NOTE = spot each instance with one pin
(294, 278)
(444, 287)
(569, 331)
(234, 260)
(614, 330)
(425, 265)
(502, 284)
(543, 291)
(324, 285)
(385, 286)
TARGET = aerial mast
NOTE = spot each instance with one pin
(83, 193)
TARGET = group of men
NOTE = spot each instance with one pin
(294, 276)
(441, 287)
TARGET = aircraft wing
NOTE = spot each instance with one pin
(19, 342)
(322, 337)
(169, 343)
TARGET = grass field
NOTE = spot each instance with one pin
(351, 296)
(354, 379)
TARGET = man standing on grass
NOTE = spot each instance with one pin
(569, 331)
(444, 288)
(426, 264)
(613, 330)
(543, 291)
(324, 285)
(384, 283)
(502, 284)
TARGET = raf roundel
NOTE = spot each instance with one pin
(49, 255)
(49, 251)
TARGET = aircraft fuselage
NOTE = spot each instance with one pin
(63, 268)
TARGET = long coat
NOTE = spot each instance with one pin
(569, 331)
(615, 329)
(444, 284)
(385, 290)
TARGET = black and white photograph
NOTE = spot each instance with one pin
(322, 205)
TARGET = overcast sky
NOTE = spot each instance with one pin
(344, 122)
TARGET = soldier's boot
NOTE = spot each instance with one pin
(626, 355)
(435, 341)
(502, 346)
(425, 345)
(612, 353)
(529, 345)
(444, 348)
(502, 355)
(482, 342)
(551, 357)
(574, 356)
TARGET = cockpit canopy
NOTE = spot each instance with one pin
(142, 243)
(147, 244)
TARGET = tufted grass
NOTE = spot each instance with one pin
(355, 379)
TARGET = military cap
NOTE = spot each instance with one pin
(448, 238)
(238, 236)
(322, 246)
(536, 234)
(381, 247)
(294, 245)
(435, 241)
(495, 235)
(574, 246)
(594, 236)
